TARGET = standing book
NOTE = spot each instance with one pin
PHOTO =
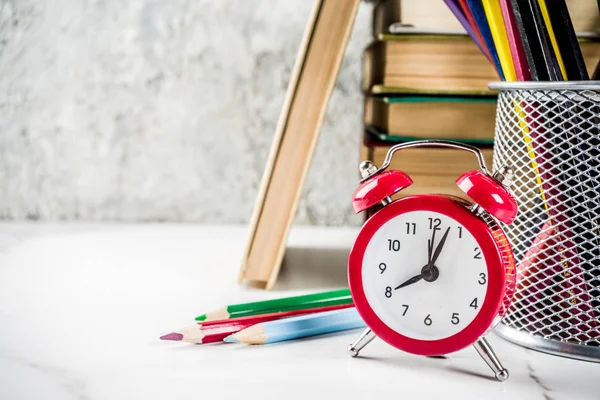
(300, 123)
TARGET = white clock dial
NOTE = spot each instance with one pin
(429, 308)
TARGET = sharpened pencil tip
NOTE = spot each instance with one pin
(231, 339)
(172, 336)
(201, 317)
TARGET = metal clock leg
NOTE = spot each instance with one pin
(487, 353)
(364, 339)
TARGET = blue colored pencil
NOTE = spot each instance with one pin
(299, 327)
(478, 12)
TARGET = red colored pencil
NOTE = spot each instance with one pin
(216, 331)
(546, 289)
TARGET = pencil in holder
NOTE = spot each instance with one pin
(549, 132)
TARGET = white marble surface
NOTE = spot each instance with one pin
(151, 109)
(82, 306)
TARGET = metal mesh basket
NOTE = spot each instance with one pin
(549, 133)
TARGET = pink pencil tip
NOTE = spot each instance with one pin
(172, 336)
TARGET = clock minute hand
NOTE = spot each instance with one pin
(412, 280)
(429, 250)
(438, 249)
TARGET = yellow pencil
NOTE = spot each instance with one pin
(496, 22)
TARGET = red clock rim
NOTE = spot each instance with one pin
(491, 252)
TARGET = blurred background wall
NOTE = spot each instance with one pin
(161, 110)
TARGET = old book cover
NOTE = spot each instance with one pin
(467, 118)
(297, 132)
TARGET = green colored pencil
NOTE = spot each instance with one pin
(324, 299)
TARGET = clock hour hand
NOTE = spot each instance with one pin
(412, 280)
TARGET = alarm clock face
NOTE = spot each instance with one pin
(427, 275)
(421, 302)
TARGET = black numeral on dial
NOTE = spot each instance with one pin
(434, 223)
(460, 232)
(405, 309)
(474, 304)
(393, 245)
(477, 252)
(411, 228)
(455, 319)
(482, 279)
(388, 292)
(382, 267)
(427, 321)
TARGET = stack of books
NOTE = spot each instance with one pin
(428, 80)
(424, 78)
(309, 90)
(424, 83)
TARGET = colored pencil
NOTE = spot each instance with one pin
(478, 13)
(498, 31)
(469, 16)
(523, 40)
(553, 38)
(580, 195)
(324, 299)
(584, 192)
(549, 56)
(571, 204)
(538, 278)
(566, 40)
(596, 74)
(456, 9)
(521, 74)
(543, 47)
(216, 331)
(299, 327)
(531, 45)
(516, 47)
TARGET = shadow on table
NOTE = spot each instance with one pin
(429, 364)
(313, 268)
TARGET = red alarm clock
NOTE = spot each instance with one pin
(432, 274)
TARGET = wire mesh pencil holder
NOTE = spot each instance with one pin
(549, 132)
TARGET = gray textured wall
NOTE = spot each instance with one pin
(161, 109)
